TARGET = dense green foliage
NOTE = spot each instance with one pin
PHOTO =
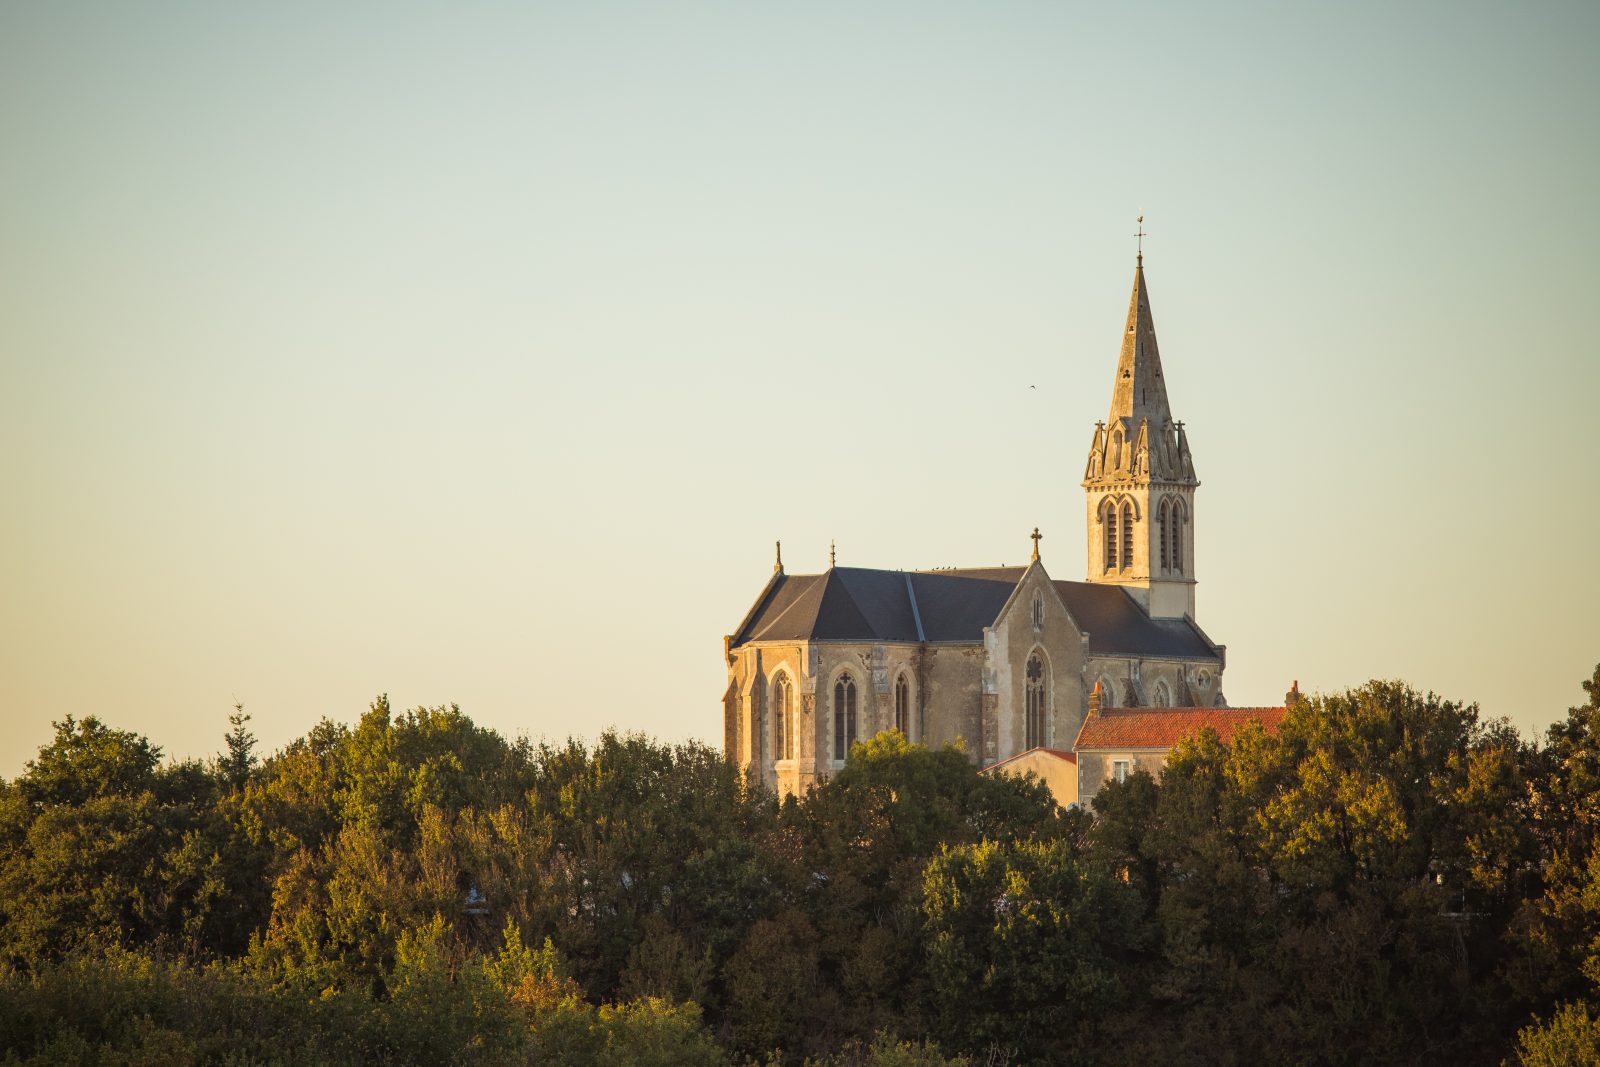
(1387, 880)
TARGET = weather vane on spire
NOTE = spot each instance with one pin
(1140, 236)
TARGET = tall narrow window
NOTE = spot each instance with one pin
(1177, 537)
(1127, 535)
(1161, 524)
(782, 726)
(1116, 451)
(902, 706)
(1038, 611)
(844, 716)
(1035, 701)
(1108, 520)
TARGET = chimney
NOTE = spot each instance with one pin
(1095, 696)
(1292, 697)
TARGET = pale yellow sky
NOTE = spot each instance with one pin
(479, 355)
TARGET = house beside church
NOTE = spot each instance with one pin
(1003, 659)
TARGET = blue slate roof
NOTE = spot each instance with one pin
(952, 606)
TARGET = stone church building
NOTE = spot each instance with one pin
(1003, 659)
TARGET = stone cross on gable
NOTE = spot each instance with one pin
(1036, 535)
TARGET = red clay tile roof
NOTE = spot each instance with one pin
(1164, 727)
(1058, 753)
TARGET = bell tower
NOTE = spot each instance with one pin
(1140, 478)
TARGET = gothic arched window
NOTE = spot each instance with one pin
(1038, 611)
(1161, 524)
(1108, 521)
(782, 724)
(1127, 535)
(1035, 701)
(844, 716)
(902, 706)
(1116, 450)
(1162, 697)
(1177, 536)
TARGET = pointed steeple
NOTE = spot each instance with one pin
(1140, 391)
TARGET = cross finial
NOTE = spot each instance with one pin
(830, 555)
(1036, 535)
(777, 567)
(1140, 236)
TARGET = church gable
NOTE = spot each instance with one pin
(1034, 669)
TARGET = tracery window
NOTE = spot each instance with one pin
(844, 716)
(782, 724)
(1127, 535)
(1035, 701)
(902, 706)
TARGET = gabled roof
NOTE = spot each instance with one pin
(1116, 624)
(1164, 727)
(1058, 753)
(863, 604)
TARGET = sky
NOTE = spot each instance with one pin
(479, 353)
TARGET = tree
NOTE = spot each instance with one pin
(240, 758)
(1026, 948)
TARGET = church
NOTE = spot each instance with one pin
(1004, 660)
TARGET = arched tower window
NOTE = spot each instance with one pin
(782, 723)
(1116, 450)
(1108, 521)
(1127, 535)
(902, 706)
(1035, 701)
(1177, 536)
(1161, 524)
(844, 716)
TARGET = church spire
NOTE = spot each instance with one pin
(1140, 391)
(1140, 477)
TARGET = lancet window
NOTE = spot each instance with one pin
(1127, 535)
(1177, 536)
(782, 721)
(844, 716)
(902, 706)
(1108, 522)
(1161, 525)
(1035, 701)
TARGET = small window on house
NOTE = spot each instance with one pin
(844, 716)
(1119, 770)
(902, 706)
